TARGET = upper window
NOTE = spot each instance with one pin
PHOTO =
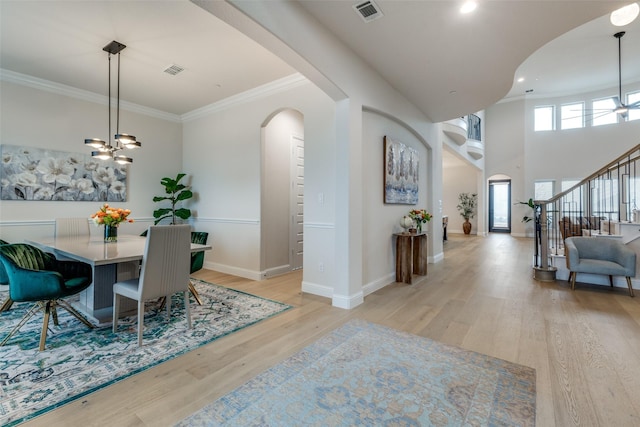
(544, 118)
(572, 116)
(603, 112)
(634, 114)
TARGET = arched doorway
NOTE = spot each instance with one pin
(282, 193)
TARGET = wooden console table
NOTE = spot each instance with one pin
(411, 256)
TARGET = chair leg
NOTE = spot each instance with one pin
(54, 313)
(571, 273)
(45, 324)
(116, 312)
(194, 292)
(34, 308)
(7, 305)
(629, 285)
(611, 280)
(74, 312)
(573, 281)
(140, 321)
(187, 310)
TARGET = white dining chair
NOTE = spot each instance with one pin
(165, 271)
(72, 227)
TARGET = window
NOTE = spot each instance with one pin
(631, 98)
(543, 190)
(603, 112)
(544, 118)
(572, 116)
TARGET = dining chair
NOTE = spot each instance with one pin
(4, 280)
(197, 260)
(72, 227)
(37, 276)
(164, 272)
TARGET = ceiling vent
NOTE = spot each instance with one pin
(368, 11)
(173, 69)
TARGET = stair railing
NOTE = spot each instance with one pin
(609, 195)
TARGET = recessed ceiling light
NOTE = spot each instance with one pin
(625, 15)
(468, 6)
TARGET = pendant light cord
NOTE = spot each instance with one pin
(109, 115)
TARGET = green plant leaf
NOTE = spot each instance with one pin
(186, 194)
(162, 211)
(183, 213)
(160, 198)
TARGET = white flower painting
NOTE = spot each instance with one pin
(29, 173)
(401, 173)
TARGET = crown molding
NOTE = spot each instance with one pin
(268, 89)
(84, 95)
(285, 83)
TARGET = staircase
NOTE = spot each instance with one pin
(606, 204)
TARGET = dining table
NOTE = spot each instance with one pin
(110, 263)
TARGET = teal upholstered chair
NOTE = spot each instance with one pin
(36, 276)
(4, 280)
(197, 259)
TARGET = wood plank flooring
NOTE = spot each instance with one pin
(584, 344)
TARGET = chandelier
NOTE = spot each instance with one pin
(107, 150)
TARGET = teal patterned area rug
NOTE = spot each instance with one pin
(78, 360)
(366, 374)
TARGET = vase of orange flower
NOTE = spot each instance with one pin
(111, 219)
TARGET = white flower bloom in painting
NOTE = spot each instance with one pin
(73, 160)
(118, 188)
(29, 166)
(55, 170)
(91, 165)
(122, 169)
(43, 193)
(5, 182)
(25, 179)
(104, 176)
(84, 185)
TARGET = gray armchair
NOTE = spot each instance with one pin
(599, 255)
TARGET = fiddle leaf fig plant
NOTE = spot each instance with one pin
(176, 192)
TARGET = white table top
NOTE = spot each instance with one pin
(94, 251)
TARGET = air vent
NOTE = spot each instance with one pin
(368, 11)
(173, 69)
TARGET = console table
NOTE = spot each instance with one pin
(411, 256)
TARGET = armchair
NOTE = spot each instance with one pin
(36, 276)
(4, 280)
(599, 255)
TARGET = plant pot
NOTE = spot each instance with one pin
(466, 226)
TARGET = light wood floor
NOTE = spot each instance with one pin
(584, 345)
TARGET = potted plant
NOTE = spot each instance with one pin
(176, 192)
(467, 207)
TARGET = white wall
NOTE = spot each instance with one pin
(382, 220)
(36, 118)
(224, 147)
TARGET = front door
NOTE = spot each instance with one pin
(500, 206)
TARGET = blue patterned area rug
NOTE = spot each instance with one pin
(78, 360)
(366, 374)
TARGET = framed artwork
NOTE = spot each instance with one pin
(401, 176)
(29, 173)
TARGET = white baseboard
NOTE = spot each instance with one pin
(347, 301)
(316, 289)
(275, 271)
(235, 271)
(378, 284)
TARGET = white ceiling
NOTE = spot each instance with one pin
(425, 49)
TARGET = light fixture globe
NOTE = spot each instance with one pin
(95, 143)
(122, 160)
(102, 155)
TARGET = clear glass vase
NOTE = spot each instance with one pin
(110, 233)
